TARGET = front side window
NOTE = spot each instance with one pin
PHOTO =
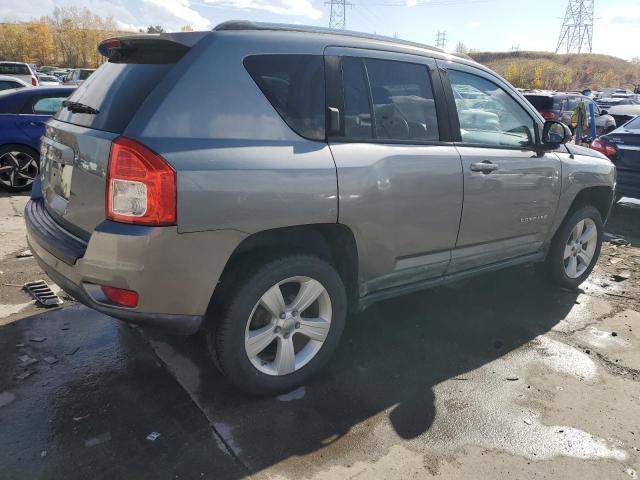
(388, 100)
(489, 115)
(294, 85)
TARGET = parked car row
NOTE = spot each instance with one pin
(561, 105)
(30, 76)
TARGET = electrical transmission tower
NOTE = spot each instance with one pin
(441, 39)
(576, 34)
(338, 17)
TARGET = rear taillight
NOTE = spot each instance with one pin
(141, 185)
(120, 296)
(604, 147)
(547, 115)
(34, 81)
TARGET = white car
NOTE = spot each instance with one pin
(7, 82)
(48, 80)
(19, 70)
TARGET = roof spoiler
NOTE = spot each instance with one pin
(151, 48)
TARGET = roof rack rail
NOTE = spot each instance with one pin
(284, 27)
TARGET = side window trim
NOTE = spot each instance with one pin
(455, 120)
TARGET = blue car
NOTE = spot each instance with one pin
(23, 114)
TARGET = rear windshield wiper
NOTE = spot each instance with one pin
(77, 107)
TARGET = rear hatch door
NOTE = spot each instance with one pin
(77, 142)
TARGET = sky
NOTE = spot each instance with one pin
(485, 25)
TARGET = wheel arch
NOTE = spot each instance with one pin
(333, 242)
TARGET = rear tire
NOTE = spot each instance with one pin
(19, 167)
(576, 247)
(259, 338)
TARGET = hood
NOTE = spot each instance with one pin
(587, 152)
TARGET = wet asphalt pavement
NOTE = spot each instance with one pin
(502, 376)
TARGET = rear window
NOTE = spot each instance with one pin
(294, 85)
(84, 74)
(633, 124)
(116, 90)
(540, 102)
(14, 69)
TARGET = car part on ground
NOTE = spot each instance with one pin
(42, 293)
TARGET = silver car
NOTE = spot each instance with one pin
(260, 181)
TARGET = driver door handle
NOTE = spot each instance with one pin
(485, 167)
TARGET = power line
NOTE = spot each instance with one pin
(576, 33)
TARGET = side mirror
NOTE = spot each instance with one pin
(604, 112)
(554, 134)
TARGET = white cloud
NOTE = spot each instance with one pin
(299, 8)
(624, 20)
(411, 3)
(171, 12)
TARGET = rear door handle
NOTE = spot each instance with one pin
(485, 167)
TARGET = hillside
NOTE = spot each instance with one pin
(561, 72)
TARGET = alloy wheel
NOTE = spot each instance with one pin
(288, 326)
(17, 169)
(580, 248)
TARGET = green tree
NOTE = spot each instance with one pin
(155, 29)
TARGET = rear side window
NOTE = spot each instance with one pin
(403, 105)
(294, 85)
(14, 69)
(388, 100)
(116, 90)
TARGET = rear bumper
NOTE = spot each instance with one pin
(174, 274)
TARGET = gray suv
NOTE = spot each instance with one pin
(259, 181)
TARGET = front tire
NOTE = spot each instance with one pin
(279, 325)
(576, 247)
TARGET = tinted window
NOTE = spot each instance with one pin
(490, 116)
(541, 102)
(116, 90)
(294, 85)
(4, 85)
(357, 109)
(14, 69)
(48, 105)
(84, 74)
(403, 104)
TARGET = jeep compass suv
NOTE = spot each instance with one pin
(260, 181)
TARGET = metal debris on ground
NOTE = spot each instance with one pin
(41, 291)
(6, 398)
(513, 378)
(153, 436)
(43, 453)
(72, 351)
(98, 439)
(24, 375)
(37, 339)
(82, 417)
(24, 254)
(527, 421)
(50, 359)
(26, 360)
(18, 345)
(615, 239)
(621, 276)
